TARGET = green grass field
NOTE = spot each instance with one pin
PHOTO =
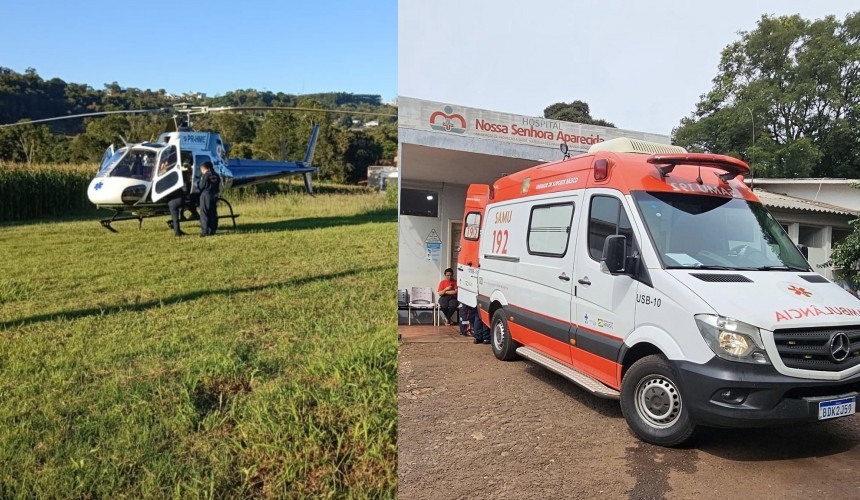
(259, 362)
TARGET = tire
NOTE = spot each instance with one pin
(504, 347)
(653, 404)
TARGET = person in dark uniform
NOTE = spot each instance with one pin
(176, 203)
(209, 185)
(480, 331)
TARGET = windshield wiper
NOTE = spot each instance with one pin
(781, 268)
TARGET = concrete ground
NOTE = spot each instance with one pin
(472, 427)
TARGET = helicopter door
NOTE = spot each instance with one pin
(168, 174)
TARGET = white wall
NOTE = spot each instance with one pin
(414, 268)
(820, 255)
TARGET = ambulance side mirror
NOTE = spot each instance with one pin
(803, 250)
(615, 254)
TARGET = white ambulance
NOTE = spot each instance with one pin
(651, 275)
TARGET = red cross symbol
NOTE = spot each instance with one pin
(799, 291)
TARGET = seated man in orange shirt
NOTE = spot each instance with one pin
(448, 296)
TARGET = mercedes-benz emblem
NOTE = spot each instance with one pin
(840, 347)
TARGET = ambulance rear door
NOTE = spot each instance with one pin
(467, 260)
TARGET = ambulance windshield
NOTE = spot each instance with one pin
(696, 231)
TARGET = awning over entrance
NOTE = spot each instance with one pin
(423, 164)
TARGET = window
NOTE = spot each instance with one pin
(168, 160)
(472, 231)
(811, 236)
(137, 164)
(607, 218)
(418, 202)
(549, 229)
(839, 236)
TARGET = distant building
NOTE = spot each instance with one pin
(371, 123)
(814, 212)
(380, 176)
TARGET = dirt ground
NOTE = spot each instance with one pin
(474, 427)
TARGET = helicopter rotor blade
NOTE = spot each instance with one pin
(186, 109)
(84, 115)
(203, 109)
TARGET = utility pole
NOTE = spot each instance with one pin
(752, 175)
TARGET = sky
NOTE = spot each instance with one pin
(641, 65)
(214, 46)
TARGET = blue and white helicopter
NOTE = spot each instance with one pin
(137, 180)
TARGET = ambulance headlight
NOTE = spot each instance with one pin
(731, 339)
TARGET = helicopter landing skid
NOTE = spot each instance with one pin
(196, 216)
(230, 207)
(106, 223)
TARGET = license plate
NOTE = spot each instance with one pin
(836, 408)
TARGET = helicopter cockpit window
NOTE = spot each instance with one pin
(109, 162)
(137, 164)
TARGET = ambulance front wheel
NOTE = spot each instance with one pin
(653, 405)
(504, 347)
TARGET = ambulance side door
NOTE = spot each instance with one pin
(546, 273)
(605, 304)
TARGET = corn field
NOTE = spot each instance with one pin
(32, 192)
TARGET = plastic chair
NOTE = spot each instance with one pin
(422, 299)
(402, 299)
(402, 303)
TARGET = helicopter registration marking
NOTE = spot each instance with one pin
(193, 139)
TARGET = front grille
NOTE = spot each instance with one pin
(809, 348)
(722, 278)
(825, 390)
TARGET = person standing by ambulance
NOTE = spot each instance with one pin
(209, 185)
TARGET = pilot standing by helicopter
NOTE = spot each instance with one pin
(209, 185)
(175, 204)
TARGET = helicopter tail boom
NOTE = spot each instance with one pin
(247, 172)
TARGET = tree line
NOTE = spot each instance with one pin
(347, 145)
(785, 99)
